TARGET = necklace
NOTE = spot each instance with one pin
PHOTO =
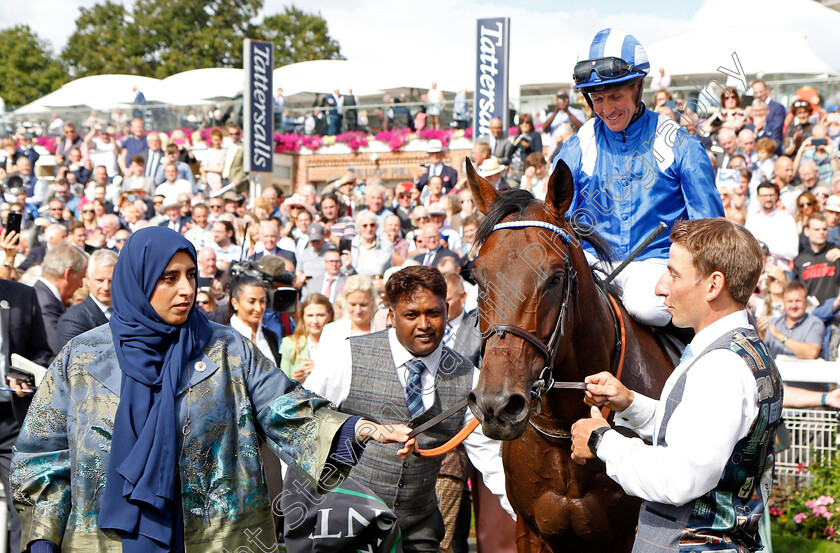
(186, 429)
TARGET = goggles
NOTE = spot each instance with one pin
(605, 68)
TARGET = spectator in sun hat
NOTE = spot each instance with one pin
(436, 168)
(494, 172)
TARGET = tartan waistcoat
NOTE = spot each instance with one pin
(726, 518)
(407, 486)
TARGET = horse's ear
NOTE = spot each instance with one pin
(561, 188)
(483, 192)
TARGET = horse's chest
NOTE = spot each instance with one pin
(560, 499)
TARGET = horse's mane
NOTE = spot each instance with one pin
(518, 201)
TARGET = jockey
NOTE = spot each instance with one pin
(632, 169)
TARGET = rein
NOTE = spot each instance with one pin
(545, 381)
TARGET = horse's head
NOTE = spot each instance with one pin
(526, 272)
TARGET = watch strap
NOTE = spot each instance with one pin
(595, 438)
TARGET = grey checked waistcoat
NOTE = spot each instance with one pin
(726, 518)
(407, 486)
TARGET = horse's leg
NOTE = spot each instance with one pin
(528, 540)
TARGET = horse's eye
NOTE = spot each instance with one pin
(555, 280)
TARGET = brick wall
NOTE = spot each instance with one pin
(392, 167)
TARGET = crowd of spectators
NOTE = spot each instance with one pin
(776, 169)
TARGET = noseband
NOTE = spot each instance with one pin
(548, 350)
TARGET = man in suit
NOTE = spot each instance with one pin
(71, 140)
(436, 168)
(269, 236)
(234, 169)
(155, 156)
(54, 235)
(430, 234)
(500, 145)
(174, 220)
(403, 374)
(331, 283)
(495, 172)
(776, 111)
(21, 332)
(61, 275)
(95, 310)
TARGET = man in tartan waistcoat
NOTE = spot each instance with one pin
(406, 374)
(706, 478)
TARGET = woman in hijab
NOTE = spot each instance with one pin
(143, 435)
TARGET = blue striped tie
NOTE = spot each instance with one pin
(687, 355)
(414, 388)
(448, 336)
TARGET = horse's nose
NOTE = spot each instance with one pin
(507, 408)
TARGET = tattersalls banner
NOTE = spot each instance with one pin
(492, 68)
(259, 112)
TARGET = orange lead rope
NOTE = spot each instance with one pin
(473, 424)
(451, 444)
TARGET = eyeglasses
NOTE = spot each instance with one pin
(369, 225)
(332, 261)
(87, 211)
(215, 206)
(606, 68)
(806, 204)
(235, 133)
(202, 302)
(120, 240)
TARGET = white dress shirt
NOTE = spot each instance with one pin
(777, 230)
(106, 309)
(718, 407)
(332, 376)
(245, 330)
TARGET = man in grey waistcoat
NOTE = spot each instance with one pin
(406, 375)
(706, 478)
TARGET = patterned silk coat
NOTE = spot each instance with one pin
(229, 394)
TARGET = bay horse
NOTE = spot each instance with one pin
(542, 316)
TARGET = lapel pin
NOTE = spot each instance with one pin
(200, 366)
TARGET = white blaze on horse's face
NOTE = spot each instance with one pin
(684, 292)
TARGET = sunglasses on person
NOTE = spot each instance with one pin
(202, 302)
(215, 206)
(606, 68)
(120, 240)
(806, 204)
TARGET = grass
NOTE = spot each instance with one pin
(788, 544)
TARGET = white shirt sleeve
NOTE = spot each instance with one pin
(640, 416)
(332, 376)
(486, 455)
(719, 404)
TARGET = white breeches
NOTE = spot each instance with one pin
(638, 283)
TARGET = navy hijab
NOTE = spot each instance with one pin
(141, 501)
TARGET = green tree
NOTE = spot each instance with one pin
(179, 35)
(299, 36)
(106, 40)
(27, 67)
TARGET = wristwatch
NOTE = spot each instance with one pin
(785, 339)
(595, 438)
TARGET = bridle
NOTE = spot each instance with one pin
(545, 381)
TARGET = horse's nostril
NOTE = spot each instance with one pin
(514, 407)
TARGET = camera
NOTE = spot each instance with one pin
(282, 299)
